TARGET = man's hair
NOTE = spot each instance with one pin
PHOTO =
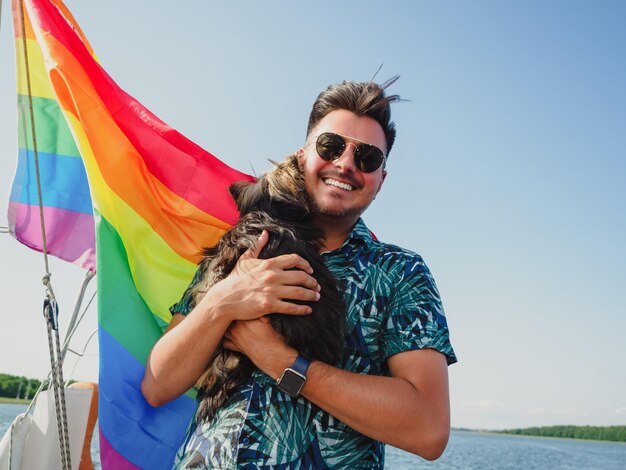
(363, 99)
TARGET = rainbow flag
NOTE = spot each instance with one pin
(157, 199)
(67, 208)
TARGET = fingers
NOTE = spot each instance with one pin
(227, 340)
(289, 308)
(298, 293)
(299, 278)
(256, 250)
(293, 262)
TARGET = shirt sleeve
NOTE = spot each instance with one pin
(415, 317)
(185, 305)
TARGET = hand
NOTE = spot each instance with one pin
(262, 344)
(256, 287)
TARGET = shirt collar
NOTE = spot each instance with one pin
(359, 234)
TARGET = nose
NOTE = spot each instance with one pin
(346, 160)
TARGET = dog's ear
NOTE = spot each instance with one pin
(236, 188)
(249, 196)
(286, 184)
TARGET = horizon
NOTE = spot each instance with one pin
(507, 174)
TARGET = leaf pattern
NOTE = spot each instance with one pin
(392, 306)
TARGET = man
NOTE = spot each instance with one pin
(391, 387)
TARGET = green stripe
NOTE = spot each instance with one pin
(53, 134)
(121, 310)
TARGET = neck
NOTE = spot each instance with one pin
(335, 230)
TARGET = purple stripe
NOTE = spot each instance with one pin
(70, 235)
(110, 458)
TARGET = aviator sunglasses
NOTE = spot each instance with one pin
(331, 146)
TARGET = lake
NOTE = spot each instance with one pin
(474, 450)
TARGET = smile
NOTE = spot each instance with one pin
(338, 184)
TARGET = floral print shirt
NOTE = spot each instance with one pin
(392, 306)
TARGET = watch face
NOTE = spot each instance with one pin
(291, 382)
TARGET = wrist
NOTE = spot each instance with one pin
(281, 360)
(214, 308)
(294, 377)
(211, 314)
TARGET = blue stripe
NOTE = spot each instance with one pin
(63, 182)
(145, 436)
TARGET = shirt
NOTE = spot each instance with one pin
(392, 306)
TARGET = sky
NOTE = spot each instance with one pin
(507, 174)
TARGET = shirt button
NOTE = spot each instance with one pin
(262, 384)
(245, 441)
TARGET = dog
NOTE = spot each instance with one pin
(275, 202)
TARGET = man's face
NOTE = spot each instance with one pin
(338, 189)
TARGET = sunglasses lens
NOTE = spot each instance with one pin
(330, 146)
(368, 158)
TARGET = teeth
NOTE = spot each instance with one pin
(338, 184)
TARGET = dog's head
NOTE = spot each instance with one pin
(280, 193)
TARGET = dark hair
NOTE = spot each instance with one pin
(276, 202)
(363, 99)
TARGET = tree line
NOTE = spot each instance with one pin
(598, 433)
(13, 386)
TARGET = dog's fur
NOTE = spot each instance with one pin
(276, 202)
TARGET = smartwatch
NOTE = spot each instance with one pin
(294, 377)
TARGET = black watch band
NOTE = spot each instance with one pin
(294, 377)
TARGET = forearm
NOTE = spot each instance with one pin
(254, 288)
(408, 412)
(181, 355)
(388, 409)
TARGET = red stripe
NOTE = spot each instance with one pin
(182, 166)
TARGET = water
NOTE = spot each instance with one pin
(472, 450)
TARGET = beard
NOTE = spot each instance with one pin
(349, 213)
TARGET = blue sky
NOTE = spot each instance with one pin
(507, 175)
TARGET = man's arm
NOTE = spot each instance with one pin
(254, 288)
(409, 410)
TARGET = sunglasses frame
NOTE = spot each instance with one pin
(358, 158)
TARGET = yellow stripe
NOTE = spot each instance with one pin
(39, 80)
(149, 255)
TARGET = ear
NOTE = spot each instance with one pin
(236, 188)
(382, 180)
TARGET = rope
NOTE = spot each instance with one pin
(56, 366)
(61, 386)
(50, 304)
(44, 242)
(68, 337)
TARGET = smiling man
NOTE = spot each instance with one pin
(391, 385)
(338, 188)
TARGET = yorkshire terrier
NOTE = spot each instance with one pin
(276, 202)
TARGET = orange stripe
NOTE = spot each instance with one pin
(182, 225)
